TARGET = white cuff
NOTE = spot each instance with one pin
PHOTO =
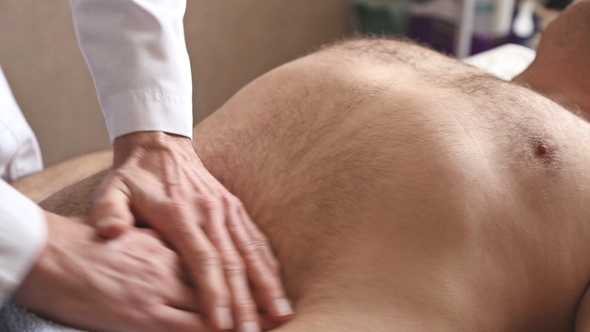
(23, 232)
(148, 111)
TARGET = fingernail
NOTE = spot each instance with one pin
(250, 327)
(283, 307)
(223, 316)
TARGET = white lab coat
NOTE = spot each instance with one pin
(136, 52)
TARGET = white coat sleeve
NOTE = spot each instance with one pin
(137, 55)
(23, 232)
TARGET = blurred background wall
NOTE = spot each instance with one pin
(230, 43)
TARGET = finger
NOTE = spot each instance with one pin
(207, 269)
(263, 276)
(172, 319)
(256, 234)
(182, 297)
(244, 307)
(202, 261)
(183, 274)
(152, 233)
(110, 213)
(178, 221)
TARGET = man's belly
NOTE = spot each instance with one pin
(382, 213)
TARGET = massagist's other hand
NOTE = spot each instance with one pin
(158, 179)
(129, 284)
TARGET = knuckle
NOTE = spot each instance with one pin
(226, 200)
(239, 206)
(252, 250)
(270, 282)
(207, 259)
(234, 266)
(176, 208)
(211, 203)
(232, 200)
(262, 242)
(245, 306)
(215, 237)
(181, 230)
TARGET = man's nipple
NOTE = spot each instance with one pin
(542, 149)
(545, 151)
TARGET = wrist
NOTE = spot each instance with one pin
(139, 142)
(39, 272)
(62, 274)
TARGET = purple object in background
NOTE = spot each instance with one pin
(440, 35)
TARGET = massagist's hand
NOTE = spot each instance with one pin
(129, 284)
(159, 179)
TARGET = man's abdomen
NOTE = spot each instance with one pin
(391, 202)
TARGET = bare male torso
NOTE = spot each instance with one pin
(404, 191)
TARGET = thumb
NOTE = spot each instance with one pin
(111, 213)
